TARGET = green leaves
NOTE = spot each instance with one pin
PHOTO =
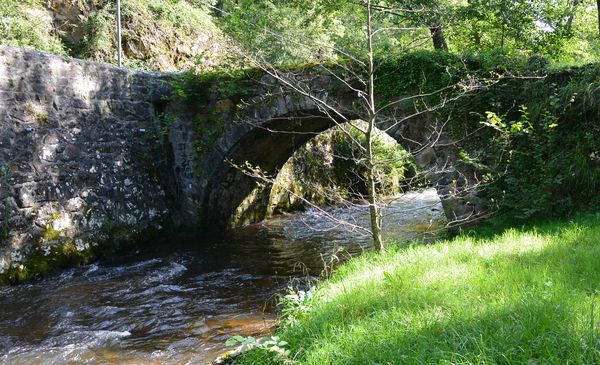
(24, 24)
(540, 153)
(494, 121)
(271, 344)
(244, 341)
(296, 304)
(392, 280)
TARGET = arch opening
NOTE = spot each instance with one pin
(309, 160)
(233, 198)
(329, 170)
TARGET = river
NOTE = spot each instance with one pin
(178, 299)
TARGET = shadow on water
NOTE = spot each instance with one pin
(179, 298)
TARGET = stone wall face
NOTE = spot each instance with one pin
(80, 156)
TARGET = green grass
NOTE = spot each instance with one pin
(516, 296)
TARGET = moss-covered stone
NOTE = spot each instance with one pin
(40, 263)
(66, 254)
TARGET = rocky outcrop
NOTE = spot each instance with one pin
(157, 35)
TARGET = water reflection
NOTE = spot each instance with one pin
(177, 300)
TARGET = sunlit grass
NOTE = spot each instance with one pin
(519, 296)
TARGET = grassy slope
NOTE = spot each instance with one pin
(519, 296)
(157, 34)
(24, 23)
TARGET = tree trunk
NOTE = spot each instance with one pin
(573, 5)
(375, 212)
(598, 8)
(218, 8)
(438, 37)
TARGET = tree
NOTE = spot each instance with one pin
(360, 72)
(598, 10)
(536, 26)
(558, 29)
(431, 14)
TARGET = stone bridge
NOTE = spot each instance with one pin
(262, 123)
(91, 153)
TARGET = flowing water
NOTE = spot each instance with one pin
(177, 300)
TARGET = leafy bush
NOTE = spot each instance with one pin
(544, 145)
(295, 304)
(542, 141)
(419, 71)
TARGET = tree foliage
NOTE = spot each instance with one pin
(566, 31)
(562, 30)
(540, 141)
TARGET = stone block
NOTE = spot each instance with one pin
(26, 196)
(71, 152)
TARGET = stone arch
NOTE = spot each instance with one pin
(211, 190)
(228, 188)
(227, 193)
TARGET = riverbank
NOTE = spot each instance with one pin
(522, 295)
(178, 297)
